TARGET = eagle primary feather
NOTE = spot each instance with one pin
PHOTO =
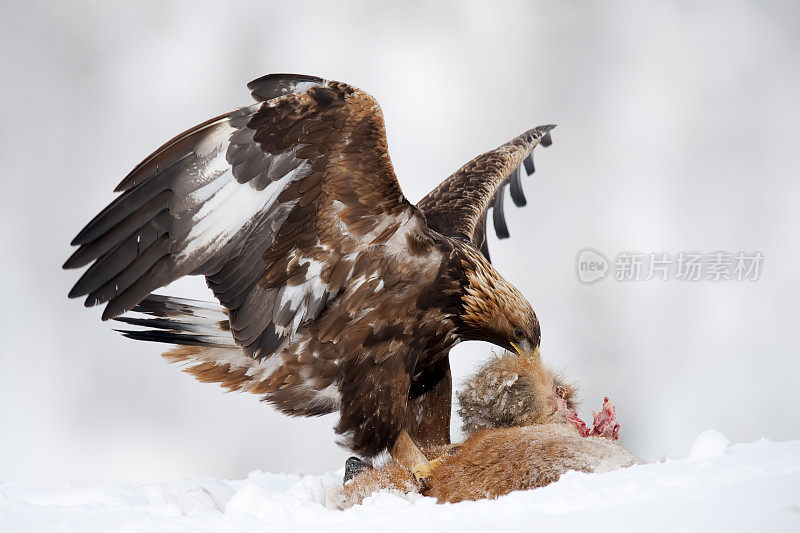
(336, 293)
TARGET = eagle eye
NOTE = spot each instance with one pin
(518, 333)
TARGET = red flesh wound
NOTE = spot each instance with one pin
(580, 425)
(605, 422)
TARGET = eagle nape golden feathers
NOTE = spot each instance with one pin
(335, 293)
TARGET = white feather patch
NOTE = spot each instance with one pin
(298, 296)
(228, 210)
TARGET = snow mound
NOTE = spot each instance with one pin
(710, 443)
(719, 487)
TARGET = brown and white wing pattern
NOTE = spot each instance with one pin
(459, 206)
(268, 202)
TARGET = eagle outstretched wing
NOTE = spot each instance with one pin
(265, 201)
(459, 206)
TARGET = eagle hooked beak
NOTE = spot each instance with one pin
(524, 348)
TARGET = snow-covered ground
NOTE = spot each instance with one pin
(718, 487)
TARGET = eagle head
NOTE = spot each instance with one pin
(493, 310)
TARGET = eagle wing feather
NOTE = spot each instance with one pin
(263, 201)
(459, 206)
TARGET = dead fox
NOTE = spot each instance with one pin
(523, 432)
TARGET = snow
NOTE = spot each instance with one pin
(710, 443)
(718, 487)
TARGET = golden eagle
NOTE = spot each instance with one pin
(336, 292)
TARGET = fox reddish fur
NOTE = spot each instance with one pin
(523, 432)
(513, 391)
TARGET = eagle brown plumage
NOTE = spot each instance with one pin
(336, 292)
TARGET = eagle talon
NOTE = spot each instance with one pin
(353, 467)
(423, 474)
(453, 450)
(435, 463)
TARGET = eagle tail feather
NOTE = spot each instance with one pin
(204, 343)
(179, 321)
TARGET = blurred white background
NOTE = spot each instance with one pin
(678, 130)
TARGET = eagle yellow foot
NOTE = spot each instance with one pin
(423, 473)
